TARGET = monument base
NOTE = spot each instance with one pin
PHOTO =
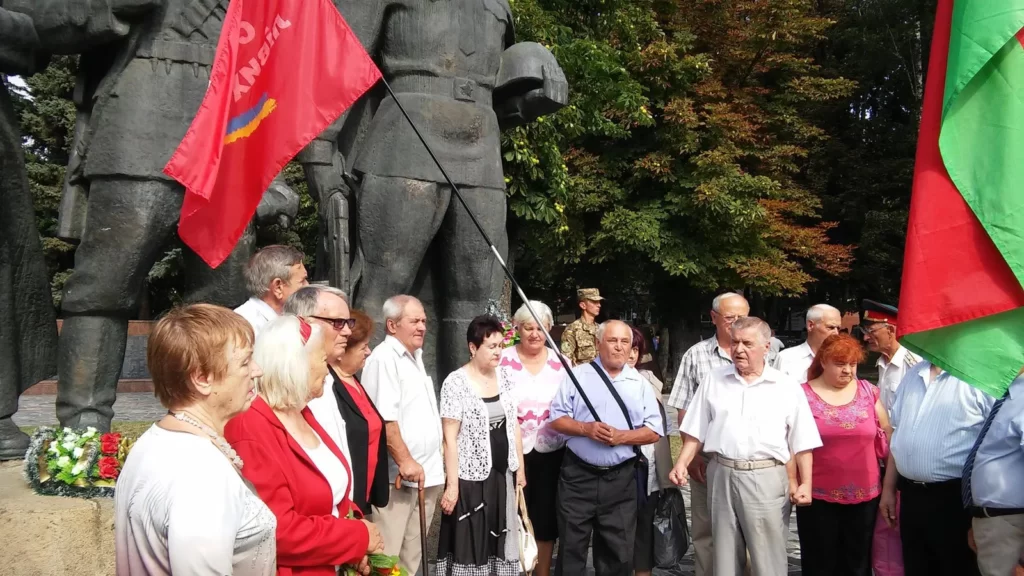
(50, 535)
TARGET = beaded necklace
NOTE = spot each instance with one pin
(218, 441)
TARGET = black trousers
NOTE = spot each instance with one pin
(601, 503)
(933, 529)
(835, 539)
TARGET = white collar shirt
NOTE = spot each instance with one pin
(795, 362)
(325, 410)
(257, 312)
(397, 382)
(768, 418)
(891, 373)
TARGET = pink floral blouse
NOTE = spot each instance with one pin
(534, 393)
(845, 466)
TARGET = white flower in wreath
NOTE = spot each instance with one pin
(54, 448)
(77, 452)
(68, 445)
(63, 461)
(90, 432)
(78, 468)
(66, 430)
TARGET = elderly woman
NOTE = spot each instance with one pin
(836, 529)
(479, 533)
(659, 461)
(181, 506)
(295, 466)
(367, 439)
(535, 374)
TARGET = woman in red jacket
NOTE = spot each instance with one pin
(296, 468)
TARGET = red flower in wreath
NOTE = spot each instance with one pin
(109, 443)
(109, 468)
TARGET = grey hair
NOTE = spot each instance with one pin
(716, 304)
(522, 316)
(303, 302)
(748, 322)
(394, 307)
(279, 351)
(269, 264)
(817, 312)
(604, 325)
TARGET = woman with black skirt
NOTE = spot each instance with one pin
(482, 451)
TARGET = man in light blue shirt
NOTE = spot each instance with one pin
(597, 491)
(997, 497)
(936, 418)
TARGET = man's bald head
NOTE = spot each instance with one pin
(614, 341)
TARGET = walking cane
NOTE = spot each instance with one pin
(423, 524)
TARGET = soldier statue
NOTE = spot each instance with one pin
(28, 325)
(144, 69)
(456, 69)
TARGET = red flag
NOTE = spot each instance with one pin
(284, 70)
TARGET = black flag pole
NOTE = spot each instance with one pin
(494, 250)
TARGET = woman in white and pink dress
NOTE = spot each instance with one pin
(536, 374)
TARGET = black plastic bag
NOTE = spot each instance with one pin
(671, 537)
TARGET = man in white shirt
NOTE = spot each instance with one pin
(328, 307)
(271, 276)
(749, 417)
(879, 326)
(822, 321)
(395, 379)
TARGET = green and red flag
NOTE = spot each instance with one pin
(961, 302)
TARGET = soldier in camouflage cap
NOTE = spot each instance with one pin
(579, 341)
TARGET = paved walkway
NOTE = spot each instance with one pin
(144, 407)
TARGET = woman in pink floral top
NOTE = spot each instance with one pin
(837, 528)
(536, 373)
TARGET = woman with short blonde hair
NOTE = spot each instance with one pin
(181, 506)
(299, 471)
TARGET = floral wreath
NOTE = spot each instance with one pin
(510, 336)
(75, 463)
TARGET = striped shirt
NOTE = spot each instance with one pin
(935, 424)
(697, 364)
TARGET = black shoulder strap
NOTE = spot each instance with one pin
(615, 393)
(618, 400)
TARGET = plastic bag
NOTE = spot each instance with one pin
(886, 548)
(671, 537)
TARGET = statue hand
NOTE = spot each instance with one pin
(556, 87)
(279, 205)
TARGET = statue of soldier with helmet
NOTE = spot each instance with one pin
(456, 69)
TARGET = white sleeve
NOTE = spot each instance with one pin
(803, 431)
(202, 521)
(381, 382)
(698, 415)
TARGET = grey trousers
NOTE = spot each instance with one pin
(1000, 543)
(747, 517)
(700, 531)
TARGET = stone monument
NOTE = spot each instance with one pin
(28, 326)
(457, 70)
(144, 69)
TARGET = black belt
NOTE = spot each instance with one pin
(600, 469)
(982, 512)
(905, 484)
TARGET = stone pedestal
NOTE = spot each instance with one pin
(50, 535)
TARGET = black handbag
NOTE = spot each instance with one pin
(642, 470)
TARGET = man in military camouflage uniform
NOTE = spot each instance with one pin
(579, 341)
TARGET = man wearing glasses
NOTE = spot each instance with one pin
(879, 327)
(327, 307)
(698, 362)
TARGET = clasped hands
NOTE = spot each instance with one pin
(603, 433)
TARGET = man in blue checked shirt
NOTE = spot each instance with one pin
(993, 477)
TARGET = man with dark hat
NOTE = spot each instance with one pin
(879, 326)
(579, 341)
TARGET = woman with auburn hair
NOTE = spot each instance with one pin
(836, 530)
(295, 466)
(181, 505)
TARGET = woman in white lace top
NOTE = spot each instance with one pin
(181, 505)
(483, 450)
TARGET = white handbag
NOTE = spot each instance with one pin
(527, 541)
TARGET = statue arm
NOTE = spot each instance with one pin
(18, 42)
(73, 26)
(530, 84)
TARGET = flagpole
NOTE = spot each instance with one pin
(494, 250)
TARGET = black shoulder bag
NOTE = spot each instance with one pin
(642, 470)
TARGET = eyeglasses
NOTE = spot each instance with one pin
(731, 318)
(338, 324)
